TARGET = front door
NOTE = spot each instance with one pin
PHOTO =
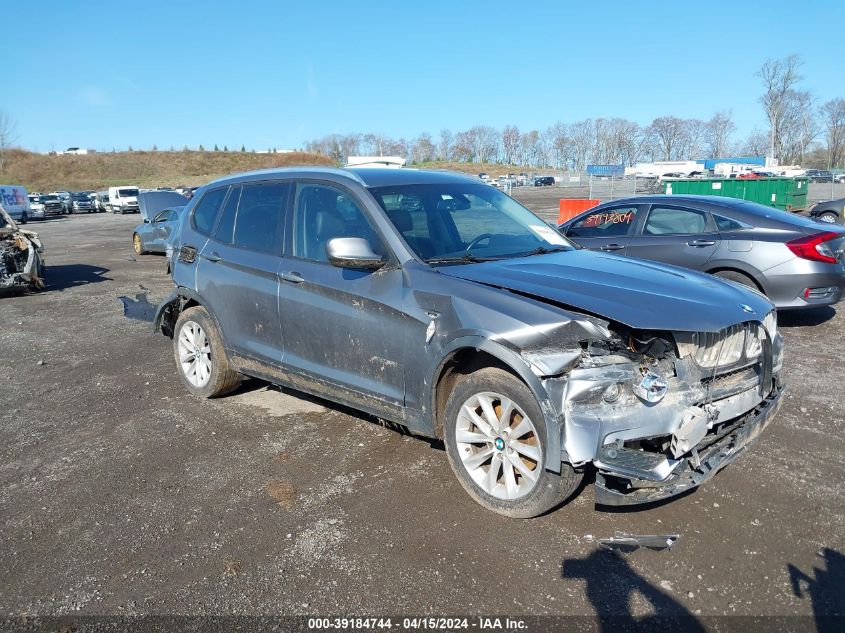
(341, 326)
(608, 229)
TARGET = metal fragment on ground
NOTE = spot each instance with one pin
(627, 543)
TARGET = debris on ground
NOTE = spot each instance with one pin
(627, 543)
(138, 308)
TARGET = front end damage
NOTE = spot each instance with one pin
(21, 257)
(659, 413)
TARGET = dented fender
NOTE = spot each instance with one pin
(523, 369)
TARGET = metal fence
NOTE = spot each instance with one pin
(604, 188)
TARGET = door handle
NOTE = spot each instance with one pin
(612, 247)
(213, 257)
(291, 277)
(701, 243)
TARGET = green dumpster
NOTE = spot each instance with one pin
(786, 194)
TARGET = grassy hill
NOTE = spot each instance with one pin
(40, 172)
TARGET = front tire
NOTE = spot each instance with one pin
(828, 218)
(24, 218)
(200, 356)
(495, 436)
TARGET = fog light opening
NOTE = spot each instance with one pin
(612, 393)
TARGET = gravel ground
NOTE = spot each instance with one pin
(122, 494)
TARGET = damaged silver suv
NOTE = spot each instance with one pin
(440, 303)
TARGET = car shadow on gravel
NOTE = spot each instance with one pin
(610, 586)
(66, 276)
(804, 318)
(255, 384)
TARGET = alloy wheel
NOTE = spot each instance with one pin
(498, 446)
(194, 354)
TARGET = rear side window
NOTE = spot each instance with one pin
(673, 221)
(260, 217)
(614, 222)
(226, 226)
(726, 224)
(206, 211)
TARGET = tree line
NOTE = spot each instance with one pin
(799, 131)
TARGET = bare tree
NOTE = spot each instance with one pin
(718, 133)
(833, 116)
(582, 135)
(444, 149)
(423, 149)
(755, 144)
(669, 135)
(8, 136)
(559, 144)
(780, 78)
(510, 143)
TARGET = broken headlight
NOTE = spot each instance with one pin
(726, 347)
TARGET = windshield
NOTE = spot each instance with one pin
(34, 199)
(463, 222)
(127, 192)
(49, 198)
(80, 196)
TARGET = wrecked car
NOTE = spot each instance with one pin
(441, 304)
(21, 256)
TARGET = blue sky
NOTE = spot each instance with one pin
(276, 74)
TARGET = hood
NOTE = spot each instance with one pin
(151, 202)
(642, 295)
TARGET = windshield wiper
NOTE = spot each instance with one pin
(542, 250)
(466, 258)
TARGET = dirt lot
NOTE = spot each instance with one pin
(122, 494)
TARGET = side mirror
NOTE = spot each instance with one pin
(146, 220)
(353, 252)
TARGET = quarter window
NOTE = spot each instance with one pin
(672, 221)
(226, 226)
(206, 211)
(726, 224)
(614, 222)
(260, 216)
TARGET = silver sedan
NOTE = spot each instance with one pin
(153, 235)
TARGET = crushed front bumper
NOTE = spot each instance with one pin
(614, 490)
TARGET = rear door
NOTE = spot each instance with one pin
(675, 234)
(238, 269)
(608, 229)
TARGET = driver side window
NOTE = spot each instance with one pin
(323, 213)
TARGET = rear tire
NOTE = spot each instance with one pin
(200, 356)
(737, 277)
(24, 218)
(519, 485)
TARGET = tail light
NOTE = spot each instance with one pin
(814, 247)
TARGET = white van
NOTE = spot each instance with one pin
(123, 199)
(16, 202)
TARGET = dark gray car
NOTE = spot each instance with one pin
(441, 304)
(829, 211)
(796, 262)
